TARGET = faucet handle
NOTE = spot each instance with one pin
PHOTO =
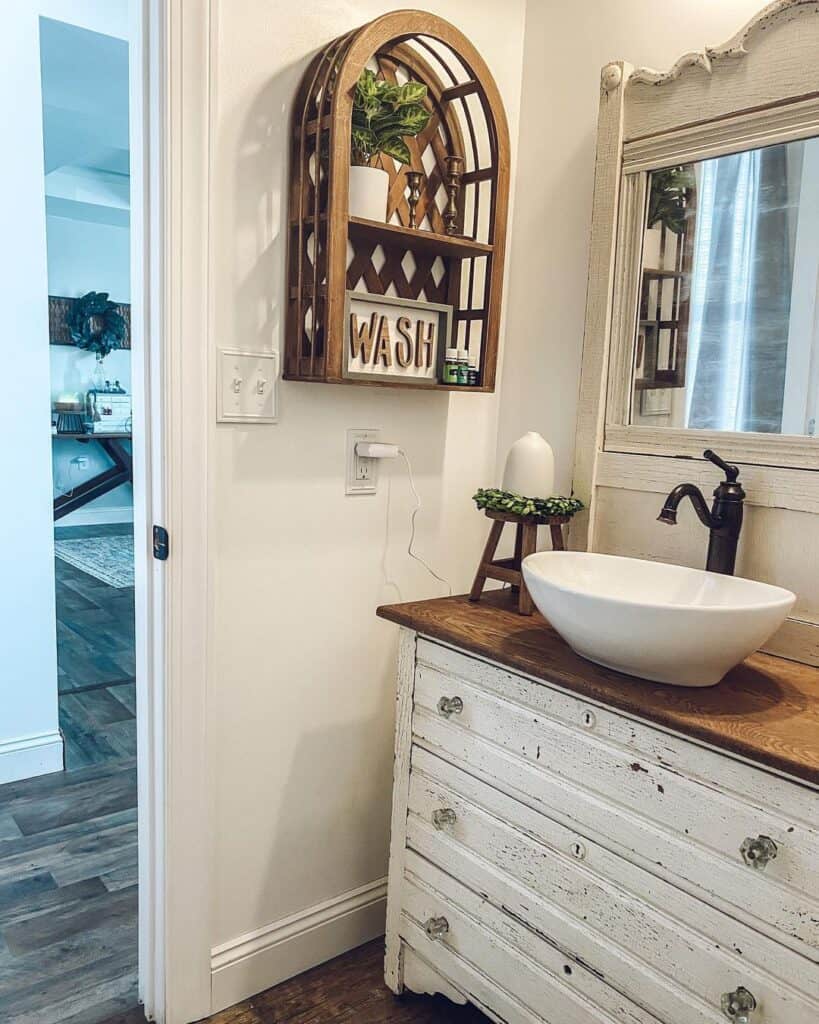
(731, 472)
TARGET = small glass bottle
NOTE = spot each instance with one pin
(473, 376)
(451, 366)
(463, 366)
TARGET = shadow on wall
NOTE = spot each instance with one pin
(355, 786)
(261, 212)
(318, 414)
(541, 374)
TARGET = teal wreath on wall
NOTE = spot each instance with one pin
(96, 325)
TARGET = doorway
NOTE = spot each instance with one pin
(71, 911)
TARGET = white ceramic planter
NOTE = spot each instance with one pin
(530, 467)
(369, 187)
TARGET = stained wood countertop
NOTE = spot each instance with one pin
(766, 709)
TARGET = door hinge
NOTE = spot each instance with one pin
(161, 543)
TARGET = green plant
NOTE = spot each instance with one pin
(504, 501)
(384, 115)
(96, 324)
(667, 198)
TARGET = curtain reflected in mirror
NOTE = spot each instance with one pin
(726, 334)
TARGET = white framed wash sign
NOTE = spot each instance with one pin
(392, 339)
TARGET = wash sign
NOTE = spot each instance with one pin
(392, 339)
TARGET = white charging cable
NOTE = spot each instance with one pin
(376, 450)
(415, 512)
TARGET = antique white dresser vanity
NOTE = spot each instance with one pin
(557, 859)
(575, 846)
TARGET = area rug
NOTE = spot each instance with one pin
(109, 559)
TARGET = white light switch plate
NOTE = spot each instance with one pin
(247, 387)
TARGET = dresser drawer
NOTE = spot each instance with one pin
(634, 789)
(439, 913)
(670, 953)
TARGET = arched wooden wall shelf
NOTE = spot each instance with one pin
(330, 253)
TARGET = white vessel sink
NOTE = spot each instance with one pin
(663, 622)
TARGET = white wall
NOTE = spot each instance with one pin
(85, 256)
(566, 44)
(301, 712)
(29, 742)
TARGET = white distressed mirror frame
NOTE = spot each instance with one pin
(758, 88)
(781, 123)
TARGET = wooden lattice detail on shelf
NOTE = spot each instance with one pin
(330, 252)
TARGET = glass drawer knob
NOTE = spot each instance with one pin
(443, 816)
(739, 1005)
(758, 852)
(450, 706)
(437, 927)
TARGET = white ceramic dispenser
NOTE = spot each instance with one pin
(530, 467)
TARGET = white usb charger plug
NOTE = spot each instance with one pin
(377, 450)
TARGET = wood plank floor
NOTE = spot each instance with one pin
(68, 896)
(349, 989)
(68, 841)
(95, 661)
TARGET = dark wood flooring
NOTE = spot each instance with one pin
(95, 659)
(349, 989)
(68, 896)
(68, 841)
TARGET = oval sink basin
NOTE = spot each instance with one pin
(662, 622)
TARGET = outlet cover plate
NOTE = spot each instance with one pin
(362, 474)
(247, 386)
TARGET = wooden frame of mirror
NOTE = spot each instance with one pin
(759, 88)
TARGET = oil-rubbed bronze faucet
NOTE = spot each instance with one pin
(724, 521)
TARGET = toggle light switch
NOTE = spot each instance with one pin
(247, 387)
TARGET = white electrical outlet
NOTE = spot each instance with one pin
(362, 474)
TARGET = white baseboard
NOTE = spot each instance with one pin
(27, 756)
(253, 962)
(91, 516)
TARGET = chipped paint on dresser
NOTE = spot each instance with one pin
(586, 865)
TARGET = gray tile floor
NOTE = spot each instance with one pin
(68, 843)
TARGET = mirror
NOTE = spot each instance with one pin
(727, 317)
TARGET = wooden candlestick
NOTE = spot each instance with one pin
(455, 170)
(414, 179)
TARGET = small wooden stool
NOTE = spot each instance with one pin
(508, 569)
